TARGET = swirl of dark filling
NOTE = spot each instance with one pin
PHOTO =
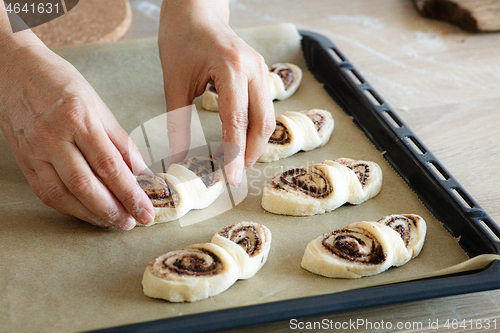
(188, 262)
(362, 170)
(280, 135)
(355, 245)
(285, 72)
(158, 191)
(205, 168)
(402, 224)
(312, 182)
(245, 236)
(316, 118)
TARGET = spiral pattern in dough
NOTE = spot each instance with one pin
(296, 131)
(360, 249)
(285, 72)
(193, 273)
(248, 243)
(412, 229)
(205, 167)
(187, 262)
(355, 244)
(281, 135)
(158, 191)
(194, 183)
(312, 182)
(320, 188)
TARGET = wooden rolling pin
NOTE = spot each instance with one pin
(472, 15)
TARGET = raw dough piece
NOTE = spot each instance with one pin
(192, 184)
(284, 80)
(197, 272)
(305, 191)
(365, 180)
(210, 99)
(203, 270)
(295, 131)
(168, 195)
(360, 249)
(412, 229)
(248, 243)
(318, 188)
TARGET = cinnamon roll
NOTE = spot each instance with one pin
(202, 176)
(192, 184)
(248, 243)
(296, 131)
(305, 191)
(284, 80)
(167, 194)
(412, 229)
(320, 188)
(194, 273)
(365, 179)
(360, 249)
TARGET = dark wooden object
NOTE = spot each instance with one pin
(472, 15)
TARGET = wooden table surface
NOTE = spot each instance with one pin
(442, 81)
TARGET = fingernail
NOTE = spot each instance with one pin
(144, 217)
(127, 224)
(237, 178)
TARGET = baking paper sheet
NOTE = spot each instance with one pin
(60, 274)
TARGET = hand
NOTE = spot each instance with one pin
(197, 45)
(68, 144)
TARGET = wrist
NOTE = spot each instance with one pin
(181, 12)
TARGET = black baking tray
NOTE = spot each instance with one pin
(435, 186)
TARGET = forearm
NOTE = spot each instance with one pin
(175, 12)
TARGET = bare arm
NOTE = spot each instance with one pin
(68, 144)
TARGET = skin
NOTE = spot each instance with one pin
(196, 42)
(73, 152)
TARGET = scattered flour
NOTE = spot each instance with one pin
(363, 20)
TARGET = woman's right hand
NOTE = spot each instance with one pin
(74, 153)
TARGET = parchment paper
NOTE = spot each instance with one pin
(60, 274)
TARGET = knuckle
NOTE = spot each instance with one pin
(53, 195)
(234, 58)
(130, 200)
(261, 63)
(113, 214)
(73, 109)
(80, 184)
(107, 167)
(45, 199)
(237, 121)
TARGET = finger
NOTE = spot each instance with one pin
(56, 195)
(64, 204)
(74, 171)
(261, 119)
(233, 111)
(179, 133)
(105, 160)
(127, 148)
